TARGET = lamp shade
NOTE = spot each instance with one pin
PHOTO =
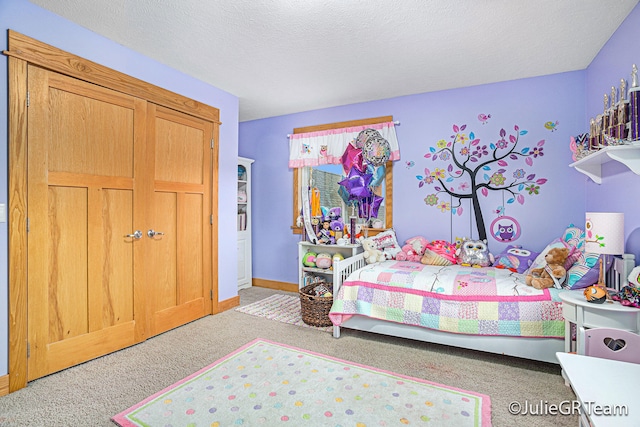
(604, 233)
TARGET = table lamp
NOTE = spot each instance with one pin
(604, 235)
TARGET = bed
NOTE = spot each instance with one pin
(487, 309)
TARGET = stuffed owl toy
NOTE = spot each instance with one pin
(474, 253)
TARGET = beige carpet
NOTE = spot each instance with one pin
(91, 393)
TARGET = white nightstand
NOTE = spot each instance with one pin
(585, 315)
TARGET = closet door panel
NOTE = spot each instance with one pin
(81, 204)
(180, 151)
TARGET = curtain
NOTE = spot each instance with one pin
(328, 146)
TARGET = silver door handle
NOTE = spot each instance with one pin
(136, 235)
(153, 234)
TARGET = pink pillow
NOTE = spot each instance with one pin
(445, 249)
(432, 258)
(387, 243)
(418, 243)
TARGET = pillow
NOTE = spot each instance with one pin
(432, 258)
(515, 258)
(586, 271)
(443, 248)
(540, 262)
(418, 243)
(574, 236)
(387, 243)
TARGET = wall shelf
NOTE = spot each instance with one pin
(591, 165)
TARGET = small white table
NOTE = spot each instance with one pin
(576, 309)
(606, 389)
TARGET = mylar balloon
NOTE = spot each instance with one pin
(365, 135)
(376, 151)
(378, 174)
(344, 195)
(368, 207)
(357, 184)
(352, 157)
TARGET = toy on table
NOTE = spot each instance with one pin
(553, 274)
(630, 295)
(336, 223)
(325, 236)
(595, 294)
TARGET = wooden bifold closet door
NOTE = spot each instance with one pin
(119, 209)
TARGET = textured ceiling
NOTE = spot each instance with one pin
(285, 56)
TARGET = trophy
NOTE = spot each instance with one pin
(621, 113)
(611, 131)
(634, 98)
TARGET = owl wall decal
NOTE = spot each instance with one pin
(505, 229)
(505, 232)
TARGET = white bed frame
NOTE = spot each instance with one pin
(542, 349)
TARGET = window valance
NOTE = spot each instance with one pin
(327, 146)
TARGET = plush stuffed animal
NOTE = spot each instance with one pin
(408, 253)
(323, 260)
(335, 218)
(387, 242)
(418, 243)
(371, 253)
(553, 273)
(474, 253)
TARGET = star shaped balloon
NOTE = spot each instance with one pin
(357, 184)
(352, 157)
(368, 207)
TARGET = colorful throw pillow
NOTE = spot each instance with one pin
(387, 243)
(515, 258)
(584, 272)
(540, 262)
(574, 236)
(443, 248)
(418, 243)
(432, 258)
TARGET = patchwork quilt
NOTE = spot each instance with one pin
(466, 300)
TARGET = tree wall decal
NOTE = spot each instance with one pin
(476, 168)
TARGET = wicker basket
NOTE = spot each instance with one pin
(315, 309)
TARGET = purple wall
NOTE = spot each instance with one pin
(620, 188)
(33, 21)
(425, 119)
